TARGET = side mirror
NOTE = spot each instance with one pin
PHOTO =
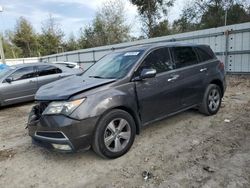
(9, 80)
(148, 73)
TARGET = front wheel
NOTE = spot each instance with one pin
(115, 134)
(211, 100)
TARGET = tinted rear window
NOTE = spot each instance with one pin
(184, 56)
(205, 54)
(48, 70)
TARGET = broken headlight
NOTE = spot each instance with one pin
(63, 107)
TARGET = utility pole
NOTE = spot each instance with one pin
(1, 43)
(226, 2)
(1, 50)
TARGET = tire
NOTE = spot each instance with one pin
(211, 100)
(114, 135)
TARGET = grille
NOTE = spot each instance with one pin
(40, 107)
(43, 106)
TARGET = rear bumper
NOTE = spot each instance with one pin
(62, 131)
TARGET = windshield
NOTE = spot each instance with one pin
(113, 66)
(4, 70)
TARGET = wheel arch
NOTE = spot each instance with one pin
(218, 83)
(134, 115)
(131, 112)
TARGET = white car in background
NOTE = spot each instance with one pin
(72, 65)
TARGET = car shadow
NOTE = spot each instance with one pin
(174, 118)
(16, 105)
(90, 155)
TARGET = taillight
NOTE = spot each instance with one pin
(221, 65)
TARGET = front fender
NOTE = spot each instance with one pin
(98, 103)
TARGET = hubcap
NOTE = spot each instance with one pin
(214, 100)
(117, 135)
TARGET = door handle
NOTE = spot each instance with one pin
(174, 77)
(32, 81)
(204, 69)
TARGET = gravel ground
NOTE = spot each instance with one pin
(186, 150)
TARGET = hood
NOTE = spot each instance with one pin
(64, 88)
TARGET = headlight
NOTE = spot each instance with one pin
(63, 107)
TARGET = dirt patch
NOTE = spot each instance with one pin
(238, 81)
(186, 150)
(7, 154)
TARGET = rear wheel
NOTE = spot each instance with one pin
(114, 134)
(211, 100)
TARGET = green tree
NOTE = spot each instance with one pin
(87, 37)
(151, 12)
(161, 29)
(211, 13)
(7, 49)
(238, 13)
(25, 38)
(108, 27)
(187, 22)
(71, 43)
(10, 50)
(51, 37)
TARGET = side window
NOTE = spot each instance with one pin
(159, 60)
(44, 70)
(204, 55)
(184, 56)
(24, 73)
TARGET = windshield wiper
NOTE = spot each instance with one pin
(97, 77)
(101, 77)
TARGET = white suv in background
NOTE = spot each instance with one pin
(72, 65)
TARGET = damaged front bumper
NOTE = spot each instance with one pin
(60, 132)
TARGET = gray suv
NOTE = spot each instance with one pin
(108, 104)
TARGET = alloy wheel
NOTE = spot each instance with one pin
(213, 99)
(117, 135)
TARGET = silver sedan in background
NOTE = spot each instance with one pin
(19, 83)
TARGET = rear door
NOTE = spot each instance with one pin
(47, 74)
(208, 63)
(160, 95)
(191, 77)
(23, 86)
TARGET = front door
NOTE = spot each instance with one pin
(22, 87)
(160, 95)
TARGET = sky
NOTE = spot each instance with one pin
(71, 15)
